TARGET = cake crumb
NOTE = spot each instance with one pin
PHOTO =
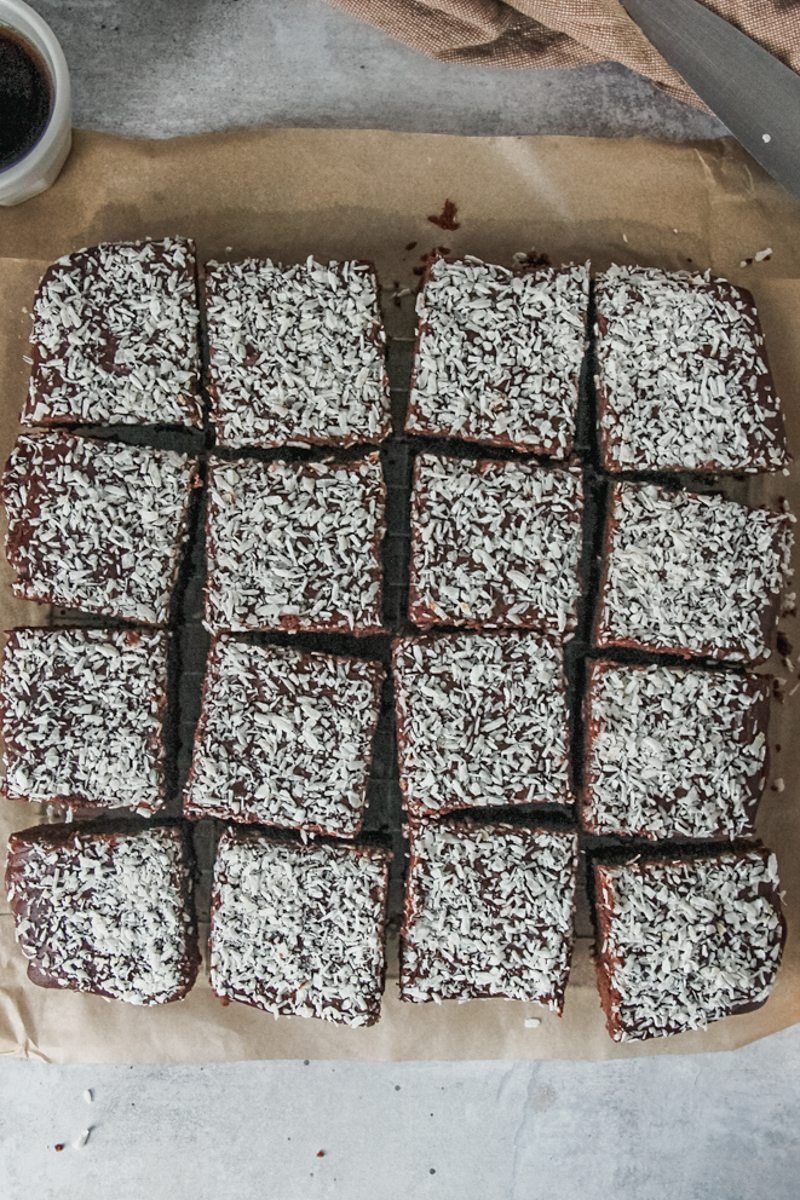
(766, 137)
(82, 1139)
(446, 219)
(779, 785)
(532, 1022)
(763, 255)
(625, 238)
(88, 1096)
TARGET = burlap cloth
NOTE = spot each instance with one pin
(563, 33)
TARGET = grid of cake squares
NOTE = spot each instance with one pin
(284, 743)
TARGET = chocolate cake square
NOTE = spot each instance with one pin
(673, 753)
(691, 574)
(285, 738)
(298, 929)
(683, 942)
(295, 546)
(683, 382)
(115, 337)
(297, 354)
(499, 354)
(488, 912)
(95, 525)
(106, 908)
(494, 545)
(82, 717)
(482, 719)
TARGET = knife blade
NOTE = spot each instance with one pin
(754, 94)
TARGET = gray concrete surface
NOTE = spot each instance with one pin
(716, 1127)
(720, 1127)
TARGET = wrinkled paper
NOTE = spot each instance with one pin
(341, 194)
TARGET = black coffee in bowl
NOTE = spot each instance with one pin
(26, 97)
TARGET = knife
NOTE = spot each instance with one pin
(754, 94)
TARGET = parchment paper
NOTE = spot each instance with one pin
(288, 193)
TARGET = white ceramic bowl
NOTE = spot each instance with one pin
(41, 165)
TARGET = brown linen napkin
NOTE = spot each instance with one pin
(563, 33)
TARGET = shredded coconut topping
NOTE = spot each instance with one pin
(499, 355)
(686, 942)
(95, 525)
(297, 354)
(295, 546)
(692, 574)
(104, 912)
(285, 738)
(299, 930)
(481, 720)
(674, 753)
(489, 912)
(115, 337)
(494, 545)
(683, 377)
(81, 713)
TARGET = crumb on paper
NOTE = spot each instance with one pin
(532, 1022)
(796, 688)
(446, 219)
(427, 258)
(530, 258)
(320, 1154)
(82, 1138)
(625, 238)
(766, 137)
(228, 249)
(763, 255)
(88, 1096)
(784, 647)
(779, 785)
(674, 231)
(59, 1146)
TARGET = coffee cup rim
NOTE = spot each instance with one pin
(19, 17)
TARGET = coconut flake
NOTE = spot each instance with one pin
(692, 574)
(685, 942)
(285, 738)
(115, 337)
(81, 713)
(494, 545)
(297, 354)
(683, 380)
(104, 912)
(295, 546)
(674, 753)
(298, 930)
(96, 525)
(489, 912)
(499, 355)
(481, 720)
